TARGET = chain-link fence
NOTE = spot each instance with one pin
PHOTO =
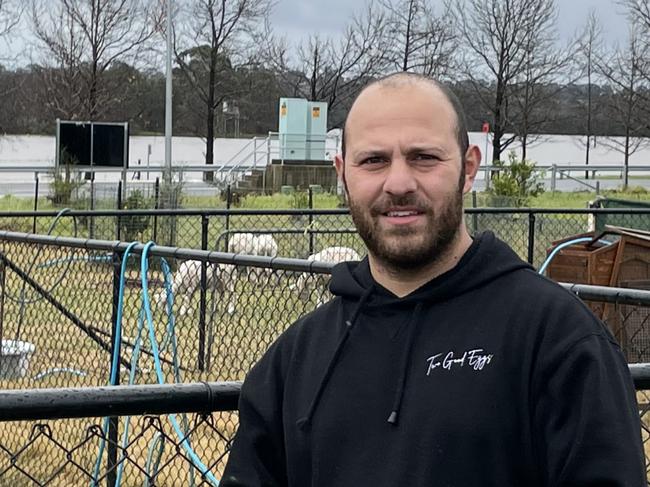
(300, 233)
(168, 435)
(205, 316)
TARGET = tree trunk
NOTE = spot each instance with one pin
(407, 44)
(209, 132)
(314, 75)
(498, 123)
(627, 157)
(92, 93)
(588, 113)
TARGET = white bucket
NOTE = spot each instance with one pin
(14, 361)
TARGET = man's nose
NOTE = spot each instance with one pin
(400, 178)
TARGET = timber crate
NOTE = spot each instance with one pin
(616, 257)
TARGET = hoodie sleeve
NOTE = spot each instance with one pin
(587, 419)
(257, 456)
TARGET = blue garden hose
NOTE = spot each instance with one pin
(115, 359)
(169, 339)
(205, 472)
(563, 245)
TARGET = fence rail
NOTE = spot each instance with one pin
(135, 400)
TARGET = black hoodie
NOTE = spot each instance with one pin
(488, 375)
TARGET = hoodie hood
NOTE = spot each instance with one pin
(487, 259)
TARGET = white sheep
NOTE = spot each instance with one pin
(246, 243)
(187, 280)
(265, 244)
(308, 283)
(241, 243)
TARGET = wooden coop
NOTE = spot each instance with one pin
(616, 257)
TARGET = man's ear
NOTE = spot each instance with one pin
(472, 162)
(339, 165)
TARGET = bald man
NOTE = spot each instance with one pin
(444, 359)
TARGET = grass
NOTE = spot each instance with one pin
(558, 199)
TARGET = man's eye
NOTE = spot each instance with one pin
(373, 160)
(425, 157)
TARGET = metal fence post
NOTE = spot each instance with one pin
(113, 422)
(35, 201)
(204, 284)
(156, 206)
(91, 221)
(118, 230)
(228, 204)
(3, 272)
(553, 177)
(311, 221)
(531, 237)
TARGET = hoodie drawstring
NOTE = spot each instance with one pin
(413, 326)
(335, 356)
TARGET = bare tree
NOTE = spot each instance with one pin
(10, 13)
(639, 11)
(624, 70)
(499, 37)
(589, 48)
(212, 37)
(417, 39)
(83, 38)
(332, 70)
(534, 98)
(533, 103)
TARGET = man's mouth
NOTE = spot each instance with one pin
(402, 213)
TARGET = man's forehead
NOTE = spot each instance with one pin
(406, 100)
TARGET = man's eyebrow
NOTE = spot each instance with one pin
(369, 153)
(431, 149)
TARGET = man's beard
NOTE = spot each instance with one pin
(409, 248)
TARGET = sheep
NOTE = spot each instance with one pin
(242, 243)
(187, 279)
(265, 244)
(246, 243)
(307, 283)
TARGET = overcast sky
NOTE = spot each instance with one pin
(298, 18)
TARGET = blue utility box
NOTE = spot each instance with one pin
(293, 129)
(302, 130)
(316, 130)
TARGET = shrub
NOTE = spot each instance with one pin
(133, 226)
(515, 182)
(64, 185)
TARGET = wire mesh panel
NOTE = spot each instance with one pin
(153, 452)
(208, 322)
(643, 399)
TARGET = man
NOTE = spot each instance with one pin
(443, 360)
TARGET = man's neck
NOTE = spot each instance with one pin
(402, 283)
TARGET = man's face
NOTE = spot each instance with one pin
(403, 174)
